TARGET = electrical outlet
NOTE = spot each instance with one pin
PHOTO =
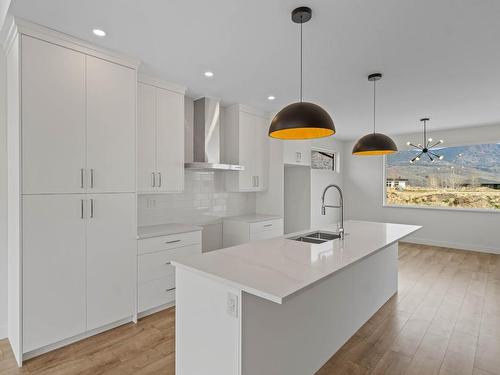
(232, 304)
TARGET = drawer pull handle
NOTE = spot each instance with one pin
(167, 263)
(169, 289)
(268, 225)
(173, 241)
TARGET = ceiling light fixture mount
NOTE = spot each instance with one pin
(374, 143)
(301, 120)
(426, 146)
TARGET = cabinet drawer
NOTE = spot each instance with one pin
(268, 225)
(157, 265)
(150, 245)
(266, 234)
(156, 293)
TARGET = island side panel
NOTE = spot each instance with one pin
(299, 336)
(207, 337)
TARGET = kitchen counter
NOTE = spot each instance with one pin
(282, 307)
(165, 230)
(278, 268)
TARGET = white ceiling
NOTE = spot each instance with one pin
(439, 58)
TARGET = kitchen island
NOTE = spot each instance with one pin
(281, 306)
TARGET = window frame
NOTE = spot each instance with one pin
(336, 159)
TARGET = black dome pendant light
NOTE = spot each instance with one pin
(301, 120)
(374, 143)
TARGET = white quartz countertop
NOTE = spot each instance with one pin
(165, 230)
(253, 218)
(276, 269)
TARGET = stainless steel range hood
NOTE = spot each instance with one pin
(206, 138)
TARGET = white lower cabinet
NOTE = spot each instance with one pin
(156, 276)
(53, 269)
(111, 258)
(239, 230)
(79, 264)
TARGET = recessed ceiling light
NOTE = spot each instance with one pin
(271, 97)
(99, 32)
(209, 74)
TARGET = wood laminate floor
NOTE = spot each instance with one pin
(445, 319)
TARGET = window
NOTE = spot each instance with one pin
(321, 159)
(466, 177)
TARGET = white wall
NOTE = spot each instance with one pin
(4, 7)
(297, 193)
(3, 195)
(322, 178)
(303, 187)
(364, 186)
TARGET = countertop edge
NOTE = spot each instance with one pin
(193, 228)
(243, 288)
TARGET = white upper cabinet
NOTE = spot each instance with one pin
(161, 137)
(53, 118)
(78, 121)
(297, 152)
(111, 258)
(146, 137)
(170, 140)
(246, 143)
(111, 102)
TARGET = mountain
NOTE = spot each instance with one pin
(460, 165)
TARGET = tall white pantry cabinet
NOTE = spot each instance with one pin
(72, 189)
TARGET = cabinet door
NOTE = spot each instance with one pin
(111, 102)
(146, 136)
(111, 258)
(261, 152)
(297, 152)
(53, 118)
(170, 140)
(247, 151)
(53, 269)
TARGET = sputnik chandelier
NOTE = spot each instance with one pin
(426, 146)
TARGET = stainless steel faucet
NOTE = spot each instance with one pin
(341, 206)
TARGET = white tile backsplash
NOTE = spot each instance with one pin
(203, 201)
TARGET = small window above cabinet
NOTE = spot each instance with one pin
(160, 136)
(244, 133)
(297, 152)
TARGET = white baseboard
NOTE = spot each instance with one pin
(154, 310)
(3, 332)
(453, 245)
(60, 344)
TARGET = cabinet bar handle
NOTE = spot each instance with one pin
(153, 179)
(268, 225)
(169, 289)
(159, 179)
(92, 178)
(167, 263)
(173, 241)
(92, 208)
(81, 208)
(258, 182)
(81, 178)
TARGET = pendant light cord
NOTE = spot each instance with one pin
(374, 107)
(301, 60)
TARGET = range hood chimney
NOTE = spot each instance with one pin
(206, 137)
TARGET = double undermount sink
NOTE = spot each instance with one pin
(316, 237)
